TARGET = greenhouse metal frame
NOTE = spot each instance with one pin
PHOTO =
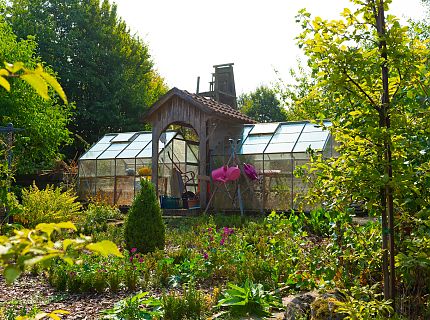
(112, 167)
(275, 150)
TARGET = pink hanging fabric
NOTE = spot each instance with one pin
(225, 174)
(250, 171)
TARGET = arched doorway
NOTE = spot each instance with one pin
(178, 167)
(212, 121)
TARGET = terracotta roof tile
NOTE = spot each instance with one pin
(218, 107)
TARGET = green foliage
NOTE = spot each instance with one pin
(362, 303)
(98, 273)
(134, 308)
(95, 218)
(251, 299)
(48, 205)
(28, 247)
(13, 309)
(104, 68)
(37, 147)
(262, 105)
(37, 78)
(144, 226)
(345, 63)
(189, 305)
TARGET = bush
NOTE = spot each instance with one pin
(144, 227)
(95, 218)
(49, 205)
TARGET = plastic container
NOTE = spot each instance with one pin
(167, 202)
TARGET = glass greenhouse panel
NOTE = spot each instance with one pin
(125, 167)
(304, 145)
(278, 156)
(253, 148)
(312, 127)
(255, 144)
(113, 151)
(147, 152)
(314, 136)
(105, 188)
(280, 147)
(129, 153)
(87, 168)
(290, 128)
(106, 138)
(179, 149)
(143, 137)
(124, 137)
(246, 131)
(87, 187)
(285, 137)
(105, 168)
(192, 154)
(138, 145)
(124, 190)
(262, 128)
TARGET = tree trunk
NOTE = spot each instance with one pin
(387, 200)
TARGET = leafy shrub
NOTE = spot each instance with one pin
(144, 227)
(49, 205)
(251, 299)
(189, 305)
(11, 310)
(95, 218)
(364, 303)
(134, 308)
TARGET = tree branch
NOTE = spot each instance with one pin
(362, 90)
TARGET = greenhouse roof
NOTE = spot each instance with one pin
(284, 137)
(126, 145)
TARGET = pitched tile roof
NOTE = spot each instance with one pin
(209, 105)
(220, 108)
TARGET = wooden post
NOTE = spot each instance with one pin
(154, 164)
(202, 163)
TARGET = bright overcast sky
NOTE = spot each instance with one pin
(186, 38)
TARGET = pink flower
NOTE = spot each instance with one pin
(131, 259)
(141, 260)
(133, 250)
(222, 242)
(205, 255)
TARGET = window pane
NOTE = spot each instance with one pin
(290, 128)
(260, 139)
(128, 153)
(109, 154)
(91, 155)
(284, 137)
(144, 137)
(123, 137)
(280, 147)
(260, 128)
(252, 148)
(314, 136)
(304, 145)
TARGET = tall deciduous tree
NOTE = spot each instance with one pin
(370, 79)
(106, 70)
(44, 121)
(262, 105)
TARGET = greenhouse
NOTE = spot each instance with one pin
(112, 168)
(275, 150)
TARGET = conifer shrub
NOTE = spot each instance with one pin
(144, 226)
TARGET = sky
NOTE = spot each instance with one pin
(187, 37)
